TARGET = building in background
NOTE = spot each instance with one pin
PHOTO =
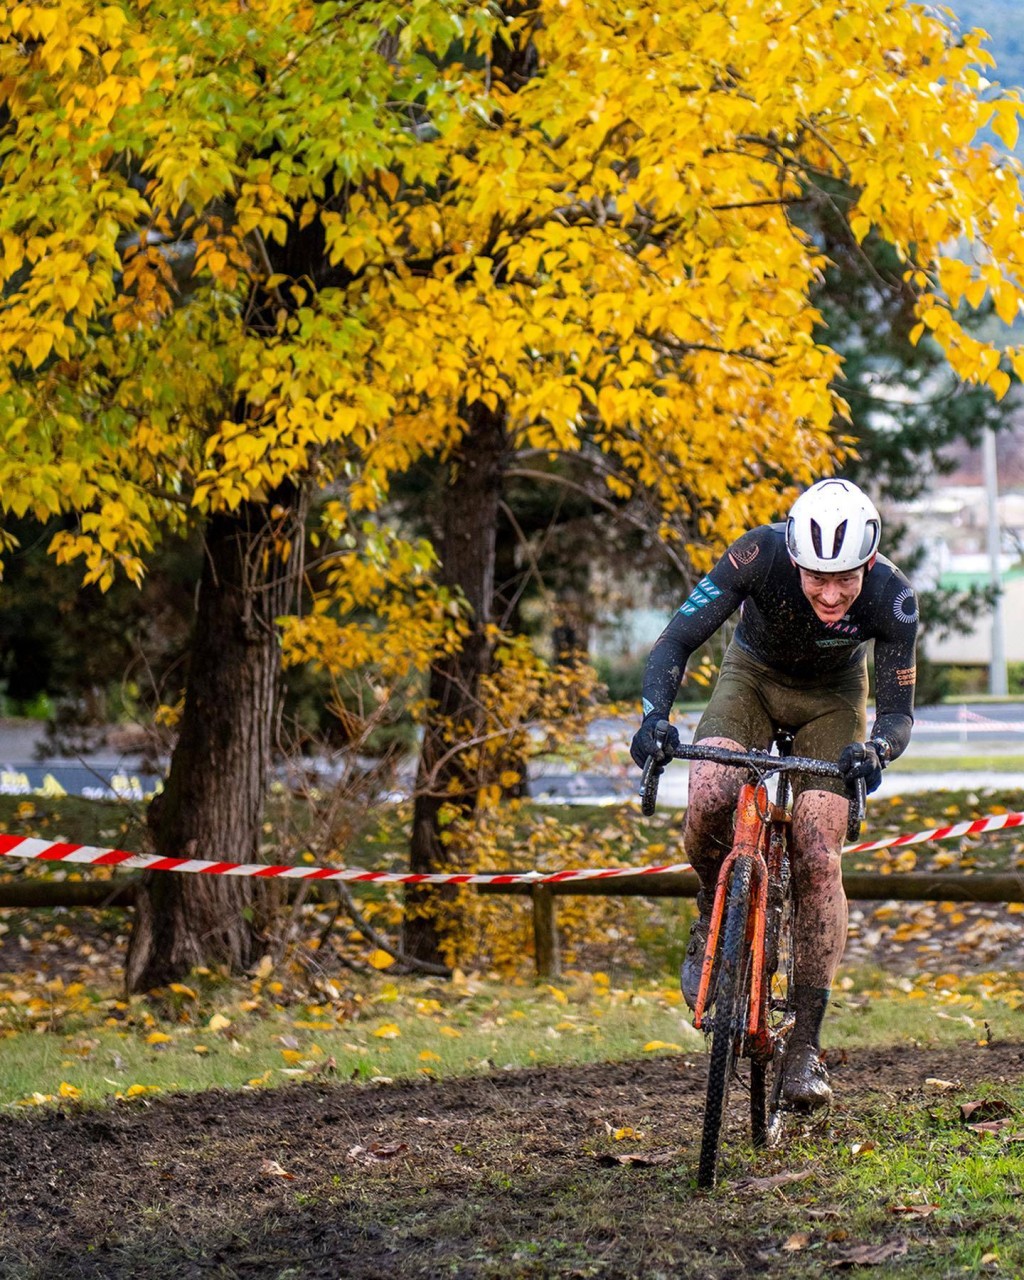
(949, 523)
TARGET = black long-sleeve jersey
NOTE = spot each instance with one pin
(779, 628)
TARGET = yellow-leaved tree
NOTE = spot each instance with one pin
(255, 249)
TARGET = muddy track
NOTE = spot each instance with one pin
(495, 1175)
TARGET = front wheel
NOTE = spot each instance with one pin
(729, 1013)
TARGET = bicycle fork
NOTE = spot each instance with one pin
(749, 841)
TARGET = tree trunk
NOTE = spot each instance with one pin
(212, 805)
(470, 519)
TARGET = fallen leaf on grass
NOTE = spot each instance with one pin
(376, 1151)
(992, 1126)
(870, 1255)
(617, 1135)
(652, 1046)
(985, 1109)
(274, 1170)
(914, 1210)
(777, 1180)
(640, 1158)
(798, 1240)
(943, 1086)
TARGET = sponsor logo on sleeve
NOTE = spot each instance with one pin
(703, 593)
(906, 676)
(905, 605)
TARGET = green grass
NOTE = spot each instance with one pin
(958, 764)
(98, 1048)
(882, 1160)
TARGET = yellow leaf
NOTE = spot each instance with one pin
(999, 381)
(428, 1055)
(627, 1131)
(451, 1032)
(652, 1046)
(380, 959)
(180, 989)
(558, 993)
(389, 1031)
(68, 1090)
(157, 1037)
(218, 1023)
(291, 1055)
(1006, 126)
(200, 1049)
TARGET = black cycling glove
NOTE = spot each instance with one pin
(863, 760)
(644, 743)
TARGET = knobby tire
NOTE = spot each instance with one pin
(730, 1012)
(766, 1111)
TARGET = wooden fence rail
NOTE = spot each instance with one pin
(867, 886)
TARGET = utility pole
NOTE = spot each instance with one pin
(997, 684)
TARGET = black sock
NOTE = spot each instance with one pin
(810, 1004)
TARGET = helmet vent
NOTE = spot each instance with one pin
(837, 541)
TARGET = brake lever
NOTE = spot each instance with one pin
(858, 809)
(654, 767)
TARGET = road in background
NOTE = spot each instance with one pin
(941, 734)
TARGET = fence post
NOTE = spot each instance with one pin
(545, 932)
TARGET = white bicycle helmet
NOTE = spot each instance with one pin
(833, 527)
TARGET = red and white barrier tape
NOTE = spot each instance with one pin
(89, 855)
(994, 822)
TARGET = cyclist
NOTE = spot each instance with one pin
(811, 593)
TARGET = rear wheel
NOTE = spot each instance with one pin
(766, 1112)
(728, 1016)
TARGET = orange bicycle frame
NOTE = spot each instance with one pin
(757, 837)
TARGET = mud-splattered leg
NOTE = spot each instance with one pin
(707, 838)
(819, 936)
(819, 823)
(707, 834)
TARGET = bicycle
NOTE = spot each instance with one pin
(746, 979)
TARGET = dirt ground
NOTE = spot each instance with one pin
(509, 1174)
